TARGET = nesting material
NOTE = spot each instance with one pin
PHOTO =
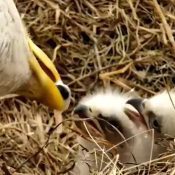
(129, 44)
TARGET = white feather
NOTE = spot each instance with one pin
(163, 106)
(107, 102)
(14, 49)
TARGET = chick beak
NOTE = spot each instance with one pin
(136, 116)
(136, 103)
(81, 111)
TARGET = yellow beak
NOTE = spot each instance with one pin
(45, 75)
(45, 61)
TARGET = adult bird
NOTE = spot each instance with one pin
(24, 68)
(158, 111)
(119, 123)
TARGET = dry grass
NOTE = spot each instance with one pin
(127, 43)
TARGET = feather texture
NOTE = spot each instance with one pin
(109, 105)
(14, 50)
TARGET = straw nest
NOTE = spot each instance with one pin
(129, 44)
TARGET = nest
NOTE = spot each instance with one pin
(129, 44)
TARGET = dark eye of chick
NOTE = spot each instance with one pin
(155, 124)
(90, 110)
(153, 121)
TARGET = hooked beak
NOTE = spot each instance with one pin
(136, 116)
(45, 84)
(136, 103)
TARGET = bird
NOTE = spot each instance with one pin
(158, 112)
(120, 122)
(24, 68)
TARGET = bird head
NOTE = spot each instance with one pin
(158, 111)
(45, 84)
(112, 116)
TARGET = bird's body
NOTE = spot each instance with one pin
(118, 125)
(20, 71)
(158, 112)
(14, 50)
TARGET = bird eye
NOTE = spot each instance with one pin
(90, 110)
(100, 116)
(155, 124)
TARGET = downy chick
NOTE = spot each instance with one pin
(118, 121)
(158, 112)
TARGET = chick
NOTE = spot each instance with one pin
(118, 121)
(158, 112)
